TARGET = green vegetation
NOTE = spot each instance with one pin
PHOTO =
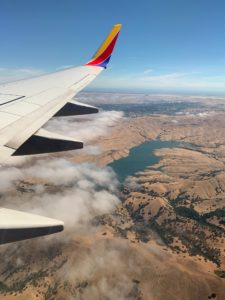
(121, 232)
(190, 213)
(187, 212)
(51, 292)
(220, 273)
(135, 293)
(20, 285)
(218, 213)
(143, 233)
(188, 226)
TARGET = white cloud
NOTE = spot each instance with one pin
(178, 81)
(139, 98)
(8, 177)
(203, 114)
(85, 128)
(148, 71)
(106, 266)
(79, 191)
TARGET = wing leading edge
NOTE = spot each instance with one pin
(25, 106)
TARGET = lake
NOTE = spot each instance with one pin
(139, 158)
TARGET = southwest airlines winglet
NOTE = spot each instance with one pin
(103, 54)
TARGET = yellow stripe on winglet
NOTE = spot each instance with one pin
(108, 40)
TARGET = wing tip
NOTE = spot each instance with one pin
(17, 226)
(103, 54)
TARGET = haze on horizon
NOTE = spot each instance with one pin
(164, 47)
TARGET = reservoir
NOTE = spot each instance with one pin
(139, 158)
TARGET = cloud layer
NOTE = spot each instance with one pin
(77, 192)
(191, 82)
(85, 128)
(61, 189)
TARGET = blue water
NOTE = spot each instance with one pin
(139, 158)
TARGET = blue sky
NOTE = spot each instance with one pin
(169, 46)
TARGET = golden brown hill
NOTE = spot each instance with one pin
(166, 239)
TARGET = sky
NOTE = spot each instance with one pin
(174, 46)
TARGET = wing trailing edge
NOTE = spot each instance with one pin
(44, 141)
(75, 108)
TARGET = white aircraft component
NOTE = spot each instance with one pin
(25, 106)
(16, 225)
(22, 117)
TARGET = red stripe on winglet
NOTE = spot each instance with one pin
(108, 51)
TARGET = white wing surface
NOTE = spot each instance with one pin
(25, 106)
(29, 104)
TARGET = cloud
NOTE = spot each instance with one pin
(83, 191)
(82, 128)
(175, 81)
(203, 114)
(74, 193)
(7, 74)
(77, 192)
(98, 99)
(106, 267)
(85, 128)
(8, 176)
(148, 71)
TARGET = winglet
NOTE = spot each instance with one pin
(103, 54)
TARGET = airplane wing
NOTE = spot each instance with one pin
(26, 105)
(17, 226)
